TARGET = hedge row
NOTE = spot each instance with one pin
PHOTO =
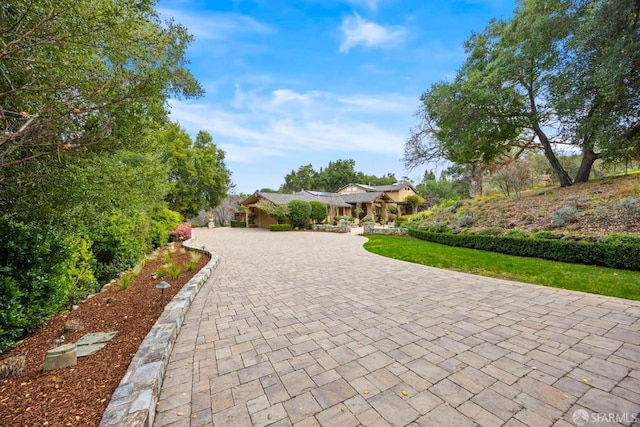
(280, 227)
(615, 255)
(238, 224)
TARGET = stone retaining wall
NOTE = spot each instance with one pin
(390, 231)
(134, 401)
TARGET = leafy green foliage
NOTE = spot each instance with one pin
(623, 256)
(35, 278)
(337, 174)
(279, 212)
(118, 244)
(238, 224)
(299, 211)
(80, 75)
(319, 211)
(197, 171)
(414, 200)
(280, 227)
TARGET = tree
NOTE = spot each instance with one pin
(414, 200)
(224, 212)
(598, 82)
(318, 211)
(299, 212)
(83, 76)
(197, 172)
(304, 178)
(337, 174)
(539, 79)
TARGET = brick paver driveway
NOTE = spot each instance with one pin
(309, 329)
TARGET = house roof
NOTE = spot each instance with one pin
(392, 187)
(283, 199)
(368, 197)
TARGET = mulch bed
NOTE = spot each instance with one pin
(79, 395)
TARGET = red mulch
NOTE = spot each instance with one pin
(79, 395)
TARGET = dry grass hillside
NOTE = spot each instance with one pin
(594, 209)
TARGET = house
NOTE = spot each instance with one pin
(395, 192)
(372, 200)
(254, 216)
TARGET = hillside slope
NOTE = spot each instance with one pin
(610, 205)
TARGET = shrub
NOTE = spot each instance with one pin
(623, 256)
(238, 224)
(280, 227)
(441, 227)
(517, 233)
(622, 239)
(626, 203)
(367, 218)
(563, 215)
(35, 278)
(125, 281)
(194, 258)
(118, 244)
(181, 233)
(490, 231)
(400, 220)
(454, 207)
(162, 221)
(174, 271)
(547, 235)
(84, 281)
(465, 220)
(318, 210)
(299, 211)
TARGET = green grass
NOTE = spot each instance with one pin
(595, 280)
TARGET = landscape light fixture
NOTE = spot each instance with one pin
(162, 286)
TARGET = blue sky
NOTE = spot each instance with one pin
(296, 82)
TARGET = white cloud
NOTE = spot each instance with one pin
(216, 25)
(281, 96)
(281, 122)
(358, 31)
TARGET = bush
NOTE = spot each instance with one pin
(83, 280)
(563, 215)
(441, 227)
(280, 227)
(125, 281)
(454, 207)
(318, 211)
(547, 235)
(35, 278)
(622, 239)
(465, 220)
(238, 224)
(118, 244)
(181, 233)
(161, 222)
(490, 231)
(516, 233)
(623, 256)
(299, 211)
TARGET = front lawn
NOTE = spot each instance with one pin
(595, 280)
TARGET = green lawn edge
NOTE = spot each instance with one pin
(576, 277)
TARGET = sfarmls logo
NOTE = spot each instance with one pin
(581, 417)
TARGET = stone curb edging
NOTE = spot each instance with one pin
(133, 403)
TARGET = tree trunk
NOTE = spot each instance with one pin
(563, 176)
(588, 158)
(477, 171)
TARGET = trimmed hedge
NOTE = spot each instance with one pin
(280, 227)
(238, 224)
(619, 255)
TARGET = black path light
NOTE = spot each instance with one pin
(162, 286)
